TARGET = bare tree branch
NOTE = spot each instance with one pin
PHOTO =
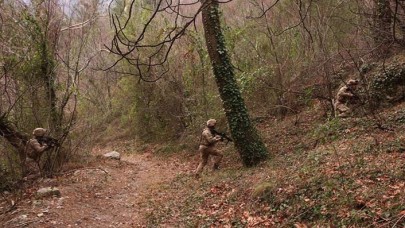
(133, 51)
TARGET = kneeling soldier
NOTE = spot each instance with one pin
(34, 150)
(344, 96)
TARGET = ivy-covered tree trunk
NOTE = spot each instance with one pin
(382, 31)
(247, 141)
(44, 48)
(48, 76)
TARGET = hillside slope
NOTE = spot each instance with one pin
(337, 172)
(341, 172)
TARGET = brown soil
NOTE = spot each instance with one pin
(109, 194)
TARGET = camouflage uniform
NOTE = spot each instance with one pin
(34, 151)
(207, 147)
(343, 98)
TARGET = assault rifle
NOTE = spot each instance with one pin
(51, 142)
(223, 136)
(356, 100)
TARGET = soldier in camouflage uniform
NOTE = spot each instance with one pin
(34, 151)
(207, 147)
(344, 96)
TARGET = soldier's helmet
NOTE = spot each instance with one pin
(211, 123)
(39, 132)
(352, 82)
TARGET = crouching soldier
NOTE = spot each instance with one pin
(344, 97)
(34, 150)
(207, 147)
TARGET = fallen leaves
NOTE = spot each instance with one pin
(300, 225)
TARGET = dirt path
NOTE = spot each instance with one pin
(111, 194)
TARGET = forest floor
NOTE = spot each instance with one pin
(105, 193)
(342, 172)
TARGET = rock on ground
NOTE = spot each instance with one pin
(113, 155)
(47, 192)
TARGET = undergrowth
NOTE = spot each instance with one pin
(353, 177)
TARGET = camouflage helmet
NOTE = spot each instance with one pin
(211, 123)
(39, 132)
(352, 82)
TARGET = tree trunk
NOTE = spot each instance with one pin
(382, 32)
(247, 141)
(48, 75)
